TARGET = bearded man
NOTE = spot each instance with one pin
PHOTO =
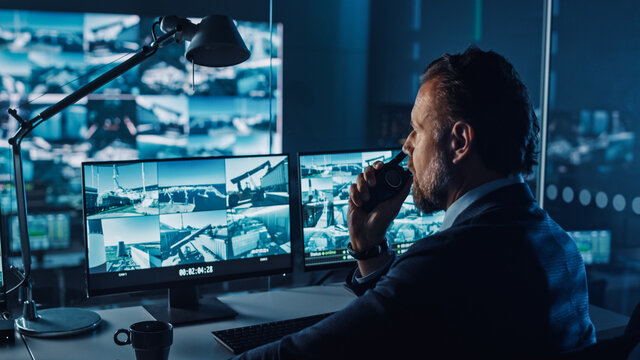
(500, 279)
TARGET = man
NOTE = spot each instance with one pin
(500, 279)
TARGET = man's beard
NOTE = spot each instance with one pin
(431, 194)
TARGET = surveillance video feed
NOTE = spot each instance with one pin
(153, 111)
(259, 231)
(169, 213)
(126, 243)
(191, 185)
(107, 36)
(121, 190)
(193, 237)
(163, 126)
(238, 125)
(325, 182)
(257, 181)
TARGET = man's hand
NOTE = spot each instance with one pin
(367, 229)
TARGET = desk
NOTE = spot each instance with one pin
(196, 341)
(15, 350)
(608, 324)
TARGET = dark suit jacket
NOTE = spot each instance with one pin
(505, 280)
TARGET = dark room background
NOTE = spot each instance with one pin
(350, 72)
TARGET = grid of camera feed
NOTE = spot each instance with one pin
(175, 213)
(325, 180)
(153, 111)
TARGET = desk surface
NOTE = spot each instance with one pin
(15, 350)
(196, 341)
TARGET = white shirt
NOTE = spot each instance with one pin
(473, 195)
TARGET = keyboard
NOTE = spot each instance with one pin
(241, 339)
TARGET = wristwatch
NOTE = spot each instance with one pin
(369, 253)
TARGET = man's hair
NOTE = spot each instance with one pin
(483, 89)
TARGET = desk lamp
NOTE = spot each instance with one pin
(214, 42)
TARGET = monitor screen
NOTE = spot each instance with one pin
(46, 232)
(153, 223)
(594, 245)
(324, 184)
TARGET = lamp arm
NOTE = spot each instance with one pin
(22, 209)
(26, 126)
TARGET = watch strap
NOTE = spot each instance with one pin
(369, 253)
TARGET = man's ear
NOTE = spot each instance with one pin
(462, 136)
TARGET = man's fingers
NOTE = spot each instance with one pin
(354, 195)
(370, 175)
(362, 187)
(378, 165)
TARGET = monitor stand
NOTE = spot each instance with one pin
(185, 307)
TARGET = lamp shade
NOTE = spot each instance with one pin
(217, 43)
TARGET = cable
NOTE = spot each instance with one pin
(18, 273)
(15, 287)
(153, 29)
(78, 78)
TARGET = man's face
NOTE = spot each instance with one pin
(427, 161)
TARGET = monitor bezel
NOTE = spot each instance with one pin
(186, 281)
(338, 264)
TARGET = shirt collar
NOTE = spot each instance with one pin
(474, 195)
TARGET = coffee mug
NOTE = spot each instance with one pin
(151, 340)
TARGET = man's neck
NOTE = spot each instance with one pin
(469, 180)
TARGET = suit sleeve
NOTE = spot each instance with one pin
(360, 287)
(360, 330)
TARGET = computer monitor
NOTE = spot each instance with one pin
(181, 222)
(594, 245)
(325, 179)
(47, 231)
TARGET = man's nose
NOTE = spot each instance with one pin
(407, 148)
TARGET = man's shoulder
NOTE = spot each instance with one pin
(438, 245)
(493, 231)
(454, 235)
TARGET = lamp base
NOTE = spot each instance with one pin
(58, 322)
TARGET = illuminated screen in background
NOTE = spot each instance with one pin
(594, 245)
(149, 112)
(325, 182)
(46, 231)
(171, 216)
